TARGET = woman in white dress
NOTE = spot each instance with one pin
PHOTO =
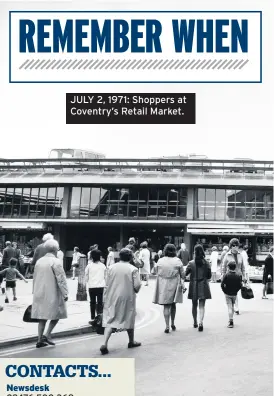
(144, 256)
(214, 263)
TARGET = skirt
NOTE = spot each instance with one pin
(199, 290)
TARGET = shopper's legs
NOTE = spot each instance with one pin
(264, 291)
(100, 292)
(41, 329)
(7, 294)
(92, 296)
(107, 334)
(201, 310)
(236, 306)
(230, 307)
(173, 314)
(51, 326)
(167, 312)
(194, 311)
(14, 293)
(130, 333)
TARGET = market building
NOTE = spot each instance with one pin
(106, 201)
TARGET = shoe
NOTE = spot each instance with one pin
(200, 327)
(230, 324)
(237, 312)
(134, 344)
(173, 327)
(48, 340)
(6, 300)
(104, 350)
(14, 298)
(265, 298)
(167, 330)
(195, 325)
(3, 290)
(41, 344)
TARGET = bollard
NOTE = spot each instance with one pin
(81, 289)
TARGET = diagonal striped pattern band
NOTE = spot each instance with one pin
(135, 64)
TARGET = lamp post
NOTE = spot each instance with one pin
(81, 289)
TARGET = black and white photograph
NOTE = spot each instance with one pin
(148, 237)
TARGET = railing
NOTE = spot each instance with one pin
(205, 166)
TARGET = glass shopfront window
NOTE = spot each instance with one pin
(128, 202)
(31, 202)
(221, 204)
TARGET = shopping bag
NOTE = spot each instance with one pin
(27, 316)
(247, 292)
(269, 287)
(178, 298)
(97, 324)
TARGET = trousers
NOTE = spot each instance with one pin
(96, 300)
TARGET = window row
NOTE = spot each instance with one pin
(133, 202)
(31, 202)
(218, 204)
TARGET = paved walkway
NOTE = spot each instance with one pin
(12, 325)
(222, 361)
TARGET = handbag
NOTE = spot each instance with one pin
(247, 292)
(178, 298)
(27, 316)
(97, 324)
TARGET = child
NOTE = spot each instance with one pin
(230, 285)
(10, 274)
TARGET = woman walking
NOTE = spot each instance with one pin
(268, 271)
(169, 288)
(199, 291)
(122, 284)
(95, 275)
(50, 293)
(144, 256)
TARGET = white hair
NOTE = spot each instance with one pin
(47, 237)
(183, 246)
(225, 248)
(51, 245)
(8, 243)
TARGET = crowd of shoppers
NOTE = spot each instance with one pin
(113, 286)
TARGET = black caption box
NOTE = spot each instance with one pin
(138, 108)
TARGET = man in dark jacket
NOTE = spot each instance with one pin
(231, 284)
(8, 253)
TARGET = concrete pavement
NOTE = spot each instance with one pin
(218, 361)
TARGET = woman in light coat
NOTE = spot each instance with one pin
(169, 288)
(214, 263)
(144, 256)
(50, 293)
(122, 284)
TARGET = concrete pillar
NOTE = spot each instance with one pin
(190, 204)
(122, 243)
(66, 202)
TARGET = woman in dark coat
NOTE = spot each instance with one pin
(200, 274)
(268, 270)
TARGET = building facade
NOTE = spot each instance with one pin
(106, 201)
